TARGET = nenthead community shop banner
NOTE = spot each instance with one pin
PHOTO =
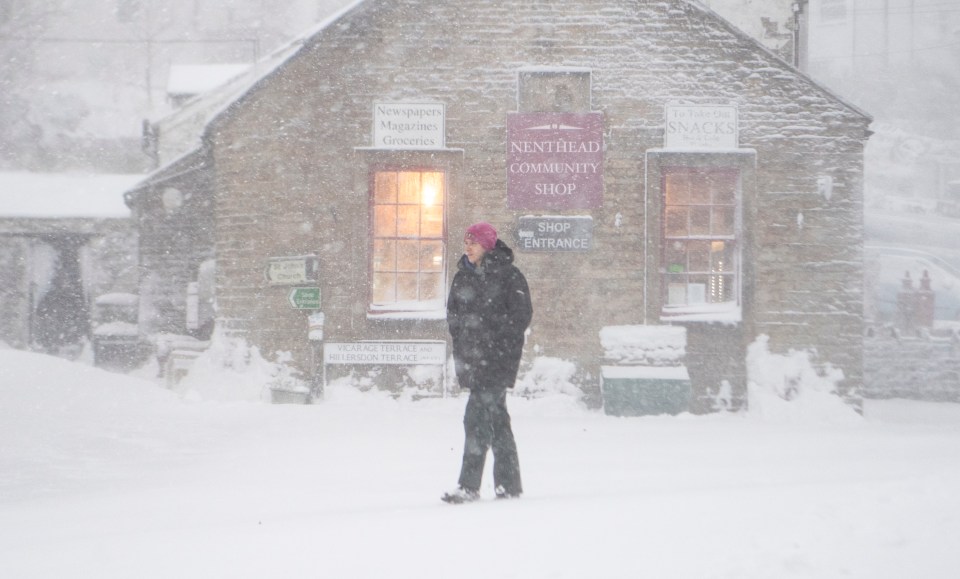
(554, 160)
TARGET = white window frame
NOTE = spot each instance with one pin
(435, 303)
(659, 163)
(683, 278)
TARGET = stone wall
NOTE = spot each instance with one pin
(176, 237)
(917, 368)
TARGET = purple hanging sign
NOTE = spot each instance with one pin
(554, 160)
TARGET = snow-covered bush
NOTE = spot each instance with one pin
(423, 381)
(792, 386)
(399, 382)
(722, 397)
(230, 370)
(548, 376)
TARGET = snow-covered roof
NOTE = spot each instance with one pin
(224, 95)
(284, 54)
(60, 195)
(200, 115)
(182, 130)
(764, 48)
(191, 79)
(275, 61)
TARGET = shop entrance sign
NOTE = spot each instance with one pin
(549, 233)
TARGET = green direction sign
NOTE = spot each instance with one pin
(305, 298)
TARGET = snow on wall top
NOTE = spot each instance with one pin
(644, 345)
(645, 372)
(118, 299)
(59, 195)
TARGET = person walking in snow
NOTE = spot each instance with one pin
(488, 311)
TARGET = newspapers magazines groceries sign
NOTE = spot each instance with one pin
(409, 125)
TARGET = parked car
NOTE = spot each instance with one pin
(116, 336)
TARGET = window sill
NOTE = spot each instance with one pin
(708, 313)
(440, 314)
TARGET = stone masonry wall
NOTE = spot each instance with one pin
(912, 368)
(173, 244)
(289, 180)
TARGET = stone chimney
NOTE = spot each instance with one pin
(915, 306)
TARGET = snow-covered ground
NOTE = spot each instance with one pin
(106, 475)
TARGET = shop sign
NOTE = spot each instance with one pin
(701, 127)
(554, 233)
(304, 298)
(291, 270)
(554, 160)
(409, 125)
(390, 352)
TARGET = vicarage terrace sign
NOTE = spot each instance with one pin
(554, 160)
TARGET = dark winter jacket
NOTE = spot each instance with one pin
(488, 311)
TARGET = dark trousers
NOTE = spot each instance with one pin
(486, 425)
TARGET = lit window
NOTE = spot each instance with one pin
(699, 237)
(407, 261)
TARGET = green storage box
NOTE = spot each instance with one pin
(645, 390)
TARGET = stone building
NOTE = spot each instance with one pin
(65, 240)
(650, 164)
(173, 209)
(173, 212)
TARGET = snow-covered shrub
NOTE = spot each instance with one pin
(285, 376)
(791, 386)
(422, 381)
(400, 382)
(722, 397)
(230, 370)
(548, 376)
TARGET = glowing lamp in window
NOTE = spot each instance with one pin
(407, 260)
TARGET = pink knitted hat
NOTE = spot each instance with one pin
(483, 233)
